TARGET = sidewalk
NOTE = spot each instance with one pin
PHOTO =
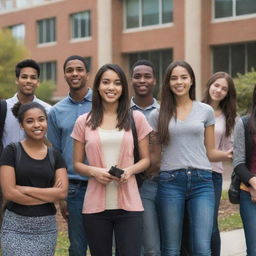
(233, 243)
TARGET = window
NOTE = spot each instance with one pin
(46, 31)
(234, 58)
(161, 59)
(48, 71)
(18, 31)
(81, 24)
(232, 8)
(88, 61)
(141, 13)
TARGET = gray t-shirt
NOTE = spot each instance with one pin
(186, 148)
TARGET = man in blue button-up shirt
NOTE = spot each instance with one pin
(62, 118)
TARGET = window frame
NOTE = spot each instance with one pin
(43, 67)
(75, 39)
(146, 27)
(15, 26)
(230, 18)
(45, 32)
(244, 44)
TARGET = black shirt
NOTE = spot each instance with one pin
(34, 173)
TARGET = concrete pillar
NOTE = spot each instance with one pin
(104, 36)
(193, 9)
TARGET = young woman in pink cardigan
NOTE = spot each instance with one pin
(104, 137)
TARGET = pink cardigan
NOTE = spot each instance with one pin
(128, 193)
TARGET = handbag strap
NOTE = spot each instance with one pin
(135, 139)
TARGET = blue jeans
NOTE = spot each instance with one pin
(216, 242)
(248, 215)
(151, 228)
(193, 189)
(76, 230)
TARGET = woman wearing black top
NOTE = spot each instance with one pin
(31, 184)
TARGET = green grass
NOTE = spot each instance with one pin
(62, 244)
(231, 222)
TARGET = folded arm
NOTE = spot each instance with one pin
(52, 194)
(10, 191)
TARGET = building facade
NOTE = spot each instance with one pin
(212, 35)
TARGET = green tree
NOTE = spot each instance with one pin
(11, 52)
(244, 87)
(45, 91)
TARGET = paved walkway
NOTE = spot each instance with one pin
(232, 242)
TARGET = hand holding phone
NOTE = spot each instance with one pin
(117, 172)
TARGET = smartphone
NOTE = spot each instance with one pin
(117, 172)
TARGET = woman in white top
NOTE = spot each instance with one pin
(221, 95)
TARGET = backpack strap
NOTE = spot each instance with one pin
(51, 157)
(17, 150)
(3, 110)
(135, 139)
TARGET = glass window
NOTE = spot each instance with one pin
(140, 13)
(223, 8)
(81, 24)
(234, 58)
(245, 7)
(231, 8)
(46, 31)
(18, 31)
(237, 59)
(221, 59)
(251, 60)
(48, 71)
(161, 59)
(132, 13)
(150, 12)
(167, 11)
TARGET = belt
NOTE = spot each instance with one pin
(79, 182)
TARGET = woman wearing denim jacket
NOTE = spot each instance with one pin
(186, 134)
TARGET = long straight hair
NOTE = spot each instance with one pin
(95, 116)
(168, 106)
(252, 119)
(228, 104)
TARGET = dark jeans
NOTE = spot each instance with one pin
(216, 242)
(126, 225)
(248, 215)
(76, 230)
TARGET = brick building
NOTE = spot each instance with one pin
(212, 35)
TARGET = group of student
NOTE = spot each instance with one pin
(181, 143)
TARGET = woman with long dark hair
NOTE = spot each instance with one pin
(33, 178)
(245, 167)
(186, 134)
(112, 202)
(221, 95)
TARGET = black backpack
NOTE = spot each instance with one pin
(3, 110)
